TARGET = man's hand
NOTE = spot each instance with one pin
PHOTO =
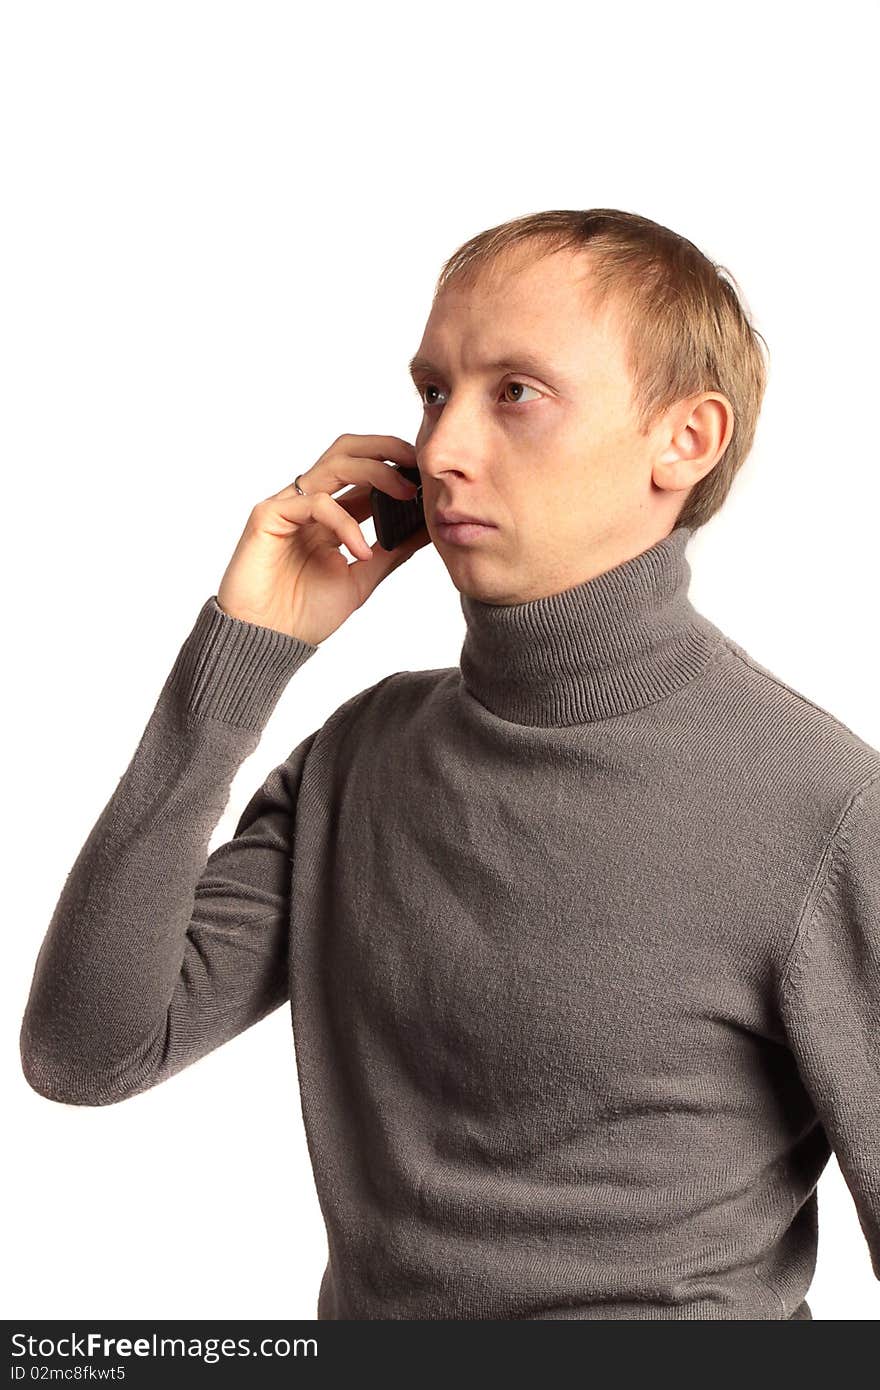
(287, 571)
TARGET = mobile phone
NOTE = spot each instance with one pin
(394, 518)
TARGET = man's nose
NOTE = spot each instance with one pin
(452, 445)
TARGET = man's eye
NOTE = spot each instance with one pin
(524, 387)
(428, 386)
(432, 386)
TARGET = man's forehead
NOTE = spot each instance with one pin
(527, 317)
(536, 342)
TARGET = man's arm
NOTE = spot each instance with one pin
(830, 1004)
(153, 956)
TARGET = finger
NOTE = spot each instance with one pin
(358, 501)
(380, 446)
(369, 472)
(338, 467)
(282, 515)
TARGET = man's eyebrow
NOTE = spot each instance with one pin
(511, 361)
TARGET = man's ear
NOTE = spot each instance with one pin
(699, 431)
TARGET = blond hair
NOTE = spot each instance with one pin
(687, 327)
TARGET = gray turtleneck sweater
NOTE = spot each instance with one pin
(581, 941)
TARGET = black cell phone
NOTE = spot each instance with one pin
(395, 519)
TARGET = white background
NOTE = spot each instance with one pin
(220, 233)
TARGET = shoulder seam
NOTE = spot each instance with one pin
(822, 880)
(754, 665)
(339, 718)
(343, 712)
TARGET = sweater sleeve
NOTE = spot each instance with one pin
(830, 1004)
(153, 956)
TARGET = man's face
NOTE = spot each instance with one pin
(545, 446)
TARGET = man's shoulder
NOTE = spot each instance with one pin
(787, 727)
(391, 701)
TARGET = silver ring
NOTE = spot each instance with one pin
(297, 486)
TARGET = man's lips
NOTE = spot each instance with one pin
(454, 518)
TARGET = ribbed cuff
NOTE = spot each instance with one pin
(233, 670)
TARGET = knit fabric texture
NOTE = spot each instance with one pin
(580, 940)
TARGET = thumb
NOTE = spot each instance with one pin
(371, 572)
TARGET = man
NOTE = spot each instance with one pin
(581, 937)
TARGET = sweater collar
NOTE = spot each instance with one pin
(613, 643)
